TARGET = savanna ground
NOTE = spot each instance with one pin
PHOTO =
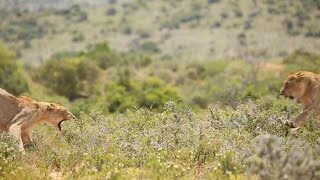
(144, 111)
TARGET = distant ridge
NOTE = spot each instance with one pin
(34, 5)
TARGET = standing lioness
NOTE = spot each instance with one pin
(18, 115)
(303, 86)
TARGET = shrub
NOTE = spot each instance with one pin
(292, 30)
(247, 25)
(9, 159)
(126, 29)
(219, 143)
(78, 37)
(11, 75)
(144, 34)
(69, 77)
(213, 1)
(238, 13)
(171, 24)
(312, 32)
(74, 13)
(224, 15)
(138, 60)
(189, 16)
(24, 29)
(125, 93)
(103, 55)
(150, 47)
(182, 17)
(111, 12)
(236, 79)
(271, 162)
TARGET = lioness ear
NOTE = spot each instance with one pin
(50, 107)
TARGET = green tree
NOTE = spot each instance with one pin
(70, 77)
(11, 75)
(125, 93)
(103, 55)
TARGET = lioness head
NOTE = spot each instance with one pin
(294, 86)
(57, 114)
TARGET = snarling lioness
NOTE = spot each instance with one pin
(305, 87)
(18, 116)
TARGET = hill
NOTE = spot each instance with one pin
(186, 29)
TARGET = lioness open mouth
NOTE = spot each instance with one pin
(59, 124)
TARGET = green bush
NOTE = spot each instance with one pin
(78, 37)
(189, 16)
(111, 12)
(69, 77)
(126, 93)
(272, 162)
(232, 82)
(74, 13)
(181, 17)
(11, 74)
(222, 143)
(103, 55)
(143, 34)
(150, 47)
(24, 29)
(213, 1)
(138, 60)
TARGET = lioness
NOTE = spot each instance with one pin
(18, 115)
(303, 86)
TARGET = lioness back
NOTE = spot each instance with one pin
(8, 108)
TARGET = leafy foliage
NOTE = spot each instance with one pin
(125, 93)
(103, 55)
(74, 13)
(176, 143)
(272, 162)
(131, 122)
(11, 76)
(70, 77)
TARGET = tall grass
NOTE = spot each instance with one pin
(175, 143)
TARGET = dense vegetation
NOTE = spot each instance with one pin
(162, 89)
(143, 117)
(11, 75)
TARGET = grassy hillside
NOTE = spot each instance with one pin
(188, 29)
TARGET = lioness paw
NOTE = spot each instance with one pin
(290, 124)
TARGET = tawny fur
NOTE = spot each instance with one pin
(305, 87)
(19, 115)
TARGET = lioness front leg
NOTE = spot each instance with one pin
(15, 132)
(298, 121)
(26, 138)
(301, 119)
(15, 129)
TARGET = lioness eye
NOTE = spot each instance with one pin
(286, 84)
